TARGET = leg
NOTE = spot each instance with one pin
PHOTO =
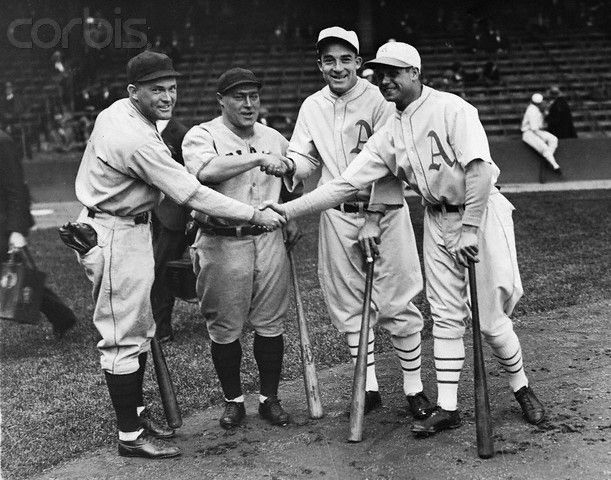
(57, 312)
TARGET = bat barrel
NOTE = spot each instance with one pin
(310, 379)
(483, 420)
(166, 388)
(357, 406)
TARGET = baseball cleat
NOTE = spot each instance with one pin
(154, 430)
(272, 411)
(233, 415)
(419, 406)
(439, 420)
(144, 447)
(532, 409)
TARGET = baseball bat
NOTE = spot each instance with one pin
(357, 407)
(166, 387)
(310, 379)
(483, 421)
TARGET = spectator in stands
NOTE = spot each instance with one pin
(367, 74)
(62, 79)
(535, 136)
(11, 109)
(106, 98)
(559, 117)
(491, 75)
(174, 50)
(85, 101)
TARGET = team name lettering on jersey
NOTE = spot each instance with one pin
(438, 151)
(251, 150)
(363, 125)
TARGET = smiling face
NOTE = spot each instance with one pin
(398, 85)
(338, 64)
(240, 106)
(154, 99)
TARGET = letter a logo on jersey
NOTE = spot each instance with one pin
(363, 125)
(438, 151)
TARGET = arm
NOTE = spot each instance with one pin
(301, 152)
(478, 178)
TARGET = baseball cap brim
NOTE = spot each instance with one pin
(241, 82)
(158, 75)
(385, 61)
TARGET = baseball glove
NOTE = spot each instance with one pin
(78, 236)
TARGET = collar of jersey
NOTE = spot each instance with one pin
(134, 112)
(358, 88)
(415, 105)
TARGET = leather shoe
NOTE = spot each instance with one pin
(439, 420)
(272, 411)
(532, 409)
(373, 400)
(419, 406)
(152, 428)
(233, 415)
(144, 447)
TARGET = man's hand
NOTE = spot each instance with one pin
(16, 241)
(276, 207)
(273, 164)
(369, 234)
(292, 234)
(269, 219)
(467, 248)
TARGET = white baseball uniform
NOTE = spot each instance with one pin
(536, 137)
(239, 278)
(329, 133)
(429, 145)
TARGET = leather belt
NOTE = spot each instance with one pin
(239, 231)
(357, 207)
(138, 219)
(444, 207)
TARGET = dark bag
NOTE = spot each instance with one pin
(21, 288)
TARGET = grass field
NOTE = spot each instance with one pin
(54, 401)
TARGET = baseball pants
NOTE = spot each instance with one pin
(543, 142)
(121, 268)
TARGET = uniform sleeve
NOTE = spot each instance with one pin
(154, 165)
(302, 151)
(198, 149)
(467, 136)
(383, 112)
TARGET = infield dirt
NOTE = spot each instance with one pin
(568, 361)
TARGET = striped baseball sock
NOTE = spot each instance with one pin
(408, 351)
(371, 384)
(449, 356)
(506, 348)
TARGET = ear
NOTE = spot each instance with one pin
(219, 98)
(359, 62)
(133, 91)
(319, 63)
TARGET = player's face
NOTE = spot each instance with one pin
(338, 65)
(399, 85)
(241, 105)
(155, 99)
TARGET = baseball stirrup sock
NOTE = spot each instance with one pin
(408, 349)
(371, 382)
(125, 393)
(506, 348)
(268, 352)
(227, 359)
(449, 359)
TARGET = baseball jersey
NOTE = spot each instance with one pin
(451, 136)
(126, 164)
(533, 118)
(210, 139)
(331, 131)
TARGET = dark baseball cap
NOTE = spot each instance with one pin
(234, 77)
(148, 65)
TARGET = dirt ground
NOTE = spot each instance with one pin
(568, 360)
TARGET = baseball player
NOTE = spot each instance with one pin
(436, 143)
(124, 167)
(242, 271)
(535, 136)
(331, 129)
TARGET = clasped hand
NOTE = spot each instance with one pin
(275, 165)
(467, 248)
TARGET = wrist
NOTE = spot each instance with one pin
(469, 229)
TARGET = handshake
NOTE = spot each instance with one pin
(276, 165)
(269, 215)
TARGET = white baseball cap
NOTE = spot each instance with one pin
(367, 72)
(396, 54)
(536, 98)
(348, 36)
